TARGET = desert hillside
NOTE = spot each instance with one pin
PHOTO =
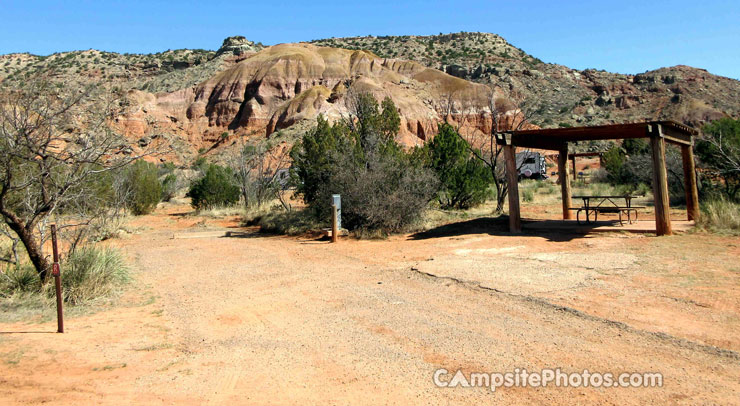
(285, 87)
(198, 101)
(564, 96)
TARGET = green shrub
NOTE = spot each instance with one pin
(636, 146)
(528, 195)
(143, 190)
(382, 186)
(169, 187)
(547, 189)
(613, 162)
(200, 164)
(292, 222)
(216, 188)
(464, 180)
(166, 168)
(16, 279)
(312, 158)
(630, 166)
(91, 272)
(20, 294)
(381, 192)
(88, 273)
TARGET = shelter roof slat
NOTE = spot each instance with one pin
(554, 138)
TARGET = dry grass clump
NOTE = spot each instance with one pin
(720, 215)
(293, 222)
(19, 279)
(88, 274)
(220, 212)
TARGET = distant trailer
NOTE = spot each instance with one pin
(531, 165)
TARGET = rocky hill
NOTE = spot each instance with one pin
(284, 87)
(562, 96)
(161, 72)
(195, 101)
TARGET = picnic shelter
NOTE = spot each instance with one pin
(557, 139)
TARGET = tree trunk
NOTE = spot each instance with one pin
(33, 249)
(501, 190)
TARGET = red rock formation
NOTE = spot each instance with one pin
(285, 84)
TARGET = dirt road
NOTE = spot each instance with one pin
(255, 319)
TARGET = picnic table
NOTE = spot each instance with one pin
(594, 204)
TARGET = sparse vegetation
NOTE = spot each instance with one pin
(88, 274)
(720, 215)
(53, 170)
(719, 155)
(382, 187)
(92, 272)
(527, 195)
(141, 187)
(262, 173)
(216, 188)
(292, 222)
(464, 179)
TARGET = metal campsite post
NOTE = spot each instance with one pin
(55, 272)
(334, 228)
(336, 217)
(337, 202)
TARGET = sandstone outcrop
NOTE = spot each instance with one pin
(286, 84)
(188, 99)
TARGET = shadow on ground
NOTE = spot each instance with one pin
(499, 226)
(482, 225)
(561, 231)
(245, 234)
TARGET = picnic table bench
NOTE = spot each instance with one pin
(607, 204)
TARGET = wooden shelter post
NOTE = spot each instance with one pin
(660, 181)
(565, 182)
(512, 178)
(689, 179)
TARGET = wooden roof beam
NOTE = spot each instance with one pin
(556, 138)
(677, 137)
(527, 141)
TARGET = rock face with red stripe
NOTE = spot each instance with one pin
(189, 98)
(289, 84)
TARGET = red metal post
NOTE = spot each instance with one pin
(55, 272)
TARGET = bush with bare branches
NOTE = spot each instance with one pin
(57, 149)
(382, 187)
(502, 113)
(719, 155)
(261, 171)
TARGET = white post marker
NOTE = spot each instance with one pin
(336, 201)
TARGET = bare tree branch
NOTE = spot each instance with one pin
(56, 144)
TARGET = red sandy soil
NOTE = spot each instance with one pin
(257, 319)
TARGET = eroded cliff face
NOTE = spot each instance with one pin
(560, 95)
(287, 84)
(187, 99)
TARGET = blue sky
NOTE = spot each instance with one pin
(625, 36)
